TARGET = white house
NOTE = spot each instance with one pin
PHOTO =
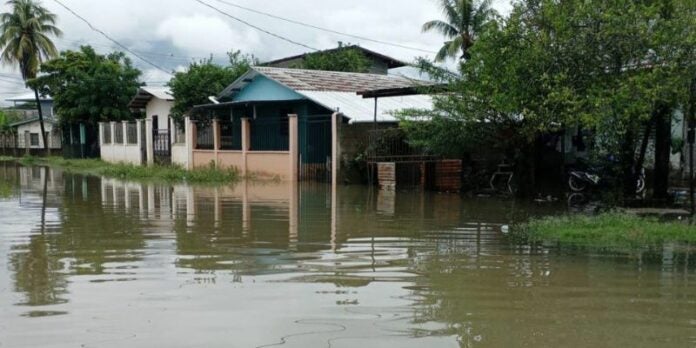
(154, 139)
(29, 135)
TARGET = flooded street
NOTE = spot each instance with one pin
(93, 262)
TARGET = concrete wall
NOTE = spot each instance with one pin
(180, 155)
(121, 152)
(269, 164)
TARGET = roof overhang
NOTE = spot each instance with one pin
(144, 96)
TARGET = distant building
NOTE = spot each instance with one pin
(380, 63)
(46, 105)
(29, 137)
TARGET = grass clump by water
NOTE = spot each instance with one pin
(139, 173)
(609, 230)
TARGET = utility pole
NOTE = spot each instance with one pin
(691, 137)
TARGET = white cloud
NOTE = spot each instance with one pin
(202, 35)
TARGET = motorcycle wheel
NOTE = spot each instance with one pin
(640, 185)
(576, 185)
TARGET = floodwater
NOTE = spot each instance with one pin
(93, 262)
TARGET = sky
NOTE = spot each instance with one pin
(172, 33)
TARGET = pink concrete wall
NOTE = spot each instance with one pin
(202, 158)
(231, 159)
(269, 164)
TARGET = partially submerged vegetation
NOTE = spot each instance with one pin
(133, 172)
(608, 231)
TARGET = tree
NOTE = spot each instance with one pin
(6, 119)
(204, 79)
(349, 59)
(465, 19)
(25, 40)
(611, 67)
(89, 87)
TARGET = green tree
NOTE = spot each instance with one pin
(350, 59)
(89, 87)
(464, 20)
(610, 66)
(25, 39)
(7, 118)
(204, 79)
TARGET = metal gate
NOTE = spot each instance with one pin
(315, 148)
(162, 149)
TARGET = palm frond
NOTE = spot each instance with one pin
(443, 28)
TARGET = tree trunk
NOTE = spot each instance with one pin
(663, 144)
(41, 123)
(627, 164)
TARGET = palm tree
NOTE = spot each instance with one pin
(465, 19)
(25, 41)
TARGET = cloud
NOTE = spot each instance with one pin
(203, 35)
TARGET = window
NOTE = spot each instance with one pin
(34, 139)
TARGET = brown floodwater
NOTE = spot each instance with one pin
(93, 262)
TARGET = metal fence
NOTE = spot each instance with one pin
(132, 133)
(118, 133)
(179, 135)
(107, 133)
(391, 145)
(270, 134)
(8, 144)
(315, 147)
(204, 136)
(231, 134)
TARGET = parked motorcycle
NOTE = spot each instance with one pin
(594, 177)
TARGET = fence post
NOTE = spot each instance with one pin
(336, 119)
(216, 140)
(139, 140)
(124, 125)
(246, 137)
(189, 133)
(293, 147)
(149, 145)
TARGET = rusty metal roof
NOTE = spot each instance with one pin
(319, 80)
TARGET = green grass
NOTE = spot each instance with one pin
(170, 174)
(609, 231)
(6, 158)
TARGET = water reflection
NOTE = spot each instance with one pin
(260, 264)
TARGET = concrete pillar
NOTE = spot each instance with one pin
(124, 124)
(246, 142)
(139, 131)
(294, 148)
(101, 134)
(190, 134)
(336, 120)
(149, 143)
(216, 140)
(293, 211)
(113, 128)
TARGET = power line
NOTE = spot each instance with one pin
(324, 29)
(111, 39)
(253, 26)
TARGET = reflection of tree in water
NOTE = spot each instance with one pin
(38, 272)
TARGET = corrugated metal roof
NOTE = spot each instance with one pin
(359, 109)
(146, 93)
(28, 97)
(32, 120)
(163, 93)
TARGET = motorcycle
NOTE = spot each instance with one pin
(581, 180)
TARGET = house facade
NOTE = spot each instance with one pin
(156, 138)
(287, 123)
(29, 139)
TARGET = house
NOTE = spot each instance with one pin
(154, 139)
(28, 130)
(29, 139)
(287, 123)
(380, 64)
